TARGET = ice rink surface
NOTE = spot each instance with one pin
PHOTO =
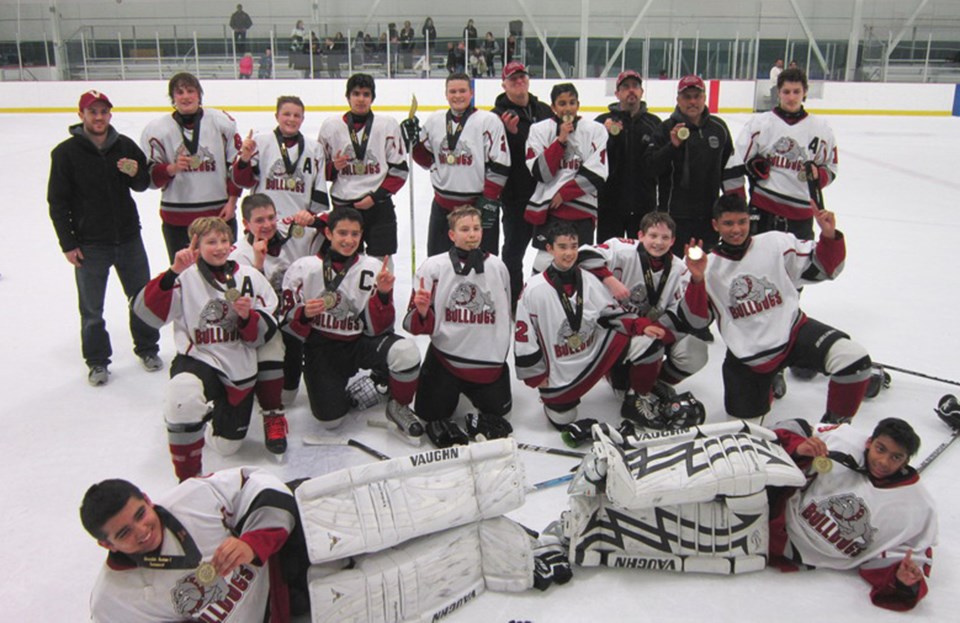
(895, 199)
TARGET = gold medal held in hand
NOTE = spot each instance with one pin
(695, 253)
(822, 464)
(802, 175)
(683, 134)
(206, 574)
(614, 129)
(232, 295)
(129, 167)
(574, 341)
(291, 183)
(296, 231)
(329, 300)
(195, 162)
(568, 118)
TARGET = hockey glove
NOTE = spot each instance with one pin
(949, 411)
(577, 433)
(550, 566)
(879, 379)
(758, 168)
(410, 131)
(489, 211)
(484, 427)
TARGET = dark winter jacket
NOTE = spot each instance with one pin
(90, 201)
(630, 188)
(520, 184)
(697, 170)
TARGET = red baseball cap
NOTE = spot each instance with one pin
(624, 75)
(690, 82)
(513, 67)
(92, 96)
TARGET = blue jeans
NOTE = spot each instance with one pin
(129, 259)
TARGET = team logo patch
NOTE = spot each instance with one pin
(851, 515)
(218, 313)
(189, 596)
(714, 142)
(749, 288)
(786, 147)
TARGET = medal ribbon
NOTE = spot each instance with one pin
(574, 316)
(193, 143)
(331, 280)
(274, 244)
(189, 560)
(288, 166)
(359, 145)
(453, 134)
(653, 291)
(228, 270)
(471, 260)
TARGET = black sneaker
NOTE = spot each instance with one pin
(444, 434)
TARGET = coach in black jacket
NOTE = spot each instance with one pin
(694, 150)
(97, 224)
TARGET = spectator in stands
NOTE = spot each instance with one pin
(298, 37)
(359, 50)
(266, 65)
(491, 47)
(511, 50)
(406, 44)
(240, 23)
(470, 35)
(429, 34)
(246, 66)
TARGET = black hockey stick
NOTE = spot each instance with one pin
(919, 374)
(939, 450)
(948, 410)
(530, 447)
(319, 440)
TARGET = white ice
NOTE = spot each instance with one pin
(895, 199)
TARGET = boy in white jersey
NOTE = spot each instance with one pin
(285, 165)
(570, 332)
(567, 157)
(221, 313)
(463, 303)
(649, 281)
(752, 283)
(870, 512)
(341, 307)
(465, 150)
(366, 164)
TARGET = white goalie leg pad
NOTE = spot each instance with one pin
(727, 536)
(692, 465)
(428, 578)
(185, 402)
(371, 507)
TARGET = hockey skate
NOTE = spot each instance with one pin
(879, 379)
(830, 418)
(644, 410)
(403, 421)
(444, 434)
(275, 431)
(779, 385)
(664, 391)
(151, 363)
(484, 427)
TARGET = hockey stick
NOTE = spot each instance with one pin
(919, 374)
(939, 450)
(320, 440)
(553, 482)
(410, 167)
(546, 450)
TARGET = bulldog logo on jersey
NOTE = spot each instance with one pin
(637, 303)
(277, 178)
(218, 323)
(570, 342)
(572, 157)
(203, 161)
(190, 596)
(843, 521)
(460, 155)
(469, 304)
(752, 295)
(787, 148)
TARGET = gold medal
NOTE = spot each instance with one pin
(359, 168)
(568, 118)
(574, 341)
(231, 294)
(822, 464)
(206, 574)
(654, 313)
(614, 129)
(802, 175)
(451, 159)
(195, 162)
(695, 253)
(129, 167)
(296, 231)
(329, 300)
(683, 134)
(291, 183)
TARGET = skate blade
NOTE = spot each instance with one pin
(416, 442)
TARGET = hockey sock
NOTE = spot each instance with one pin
(644, 375)
(187, 459)
(269, 392)
(843, 399)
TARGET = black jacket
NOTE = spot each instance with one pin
(696, 170)
(90, 201)
(520, 184)
(630, 187)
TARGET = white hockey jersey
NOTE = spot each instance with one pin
(202, 189)
(576, 170)
(283, 251)
(756, 301)
(786, 148)
(303, 189)
(357, 309)
(383, 169)
(468, 320)
(480, 160)
(205, 326)
(210, 509)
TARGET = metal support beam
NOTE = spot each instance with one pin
(906, 26)
(584, 37)
(59, 46)
(542, 38)
(370, 14)
(810, 39)
(853, 44)
(626, 38)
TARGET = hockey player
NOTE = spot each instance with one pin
(870, 512)
(366, 164)
(694, 149)
(189, 154)
(570, 332)
(97, 225)
(780, 149)
(518, 110)
(271, 247)
(221, 313)
(649, 281)
(630, 190)
(212, 549)
(462, 305)
(752, 284)
(285, 165)
(341, 305)
(568, 159)
(465, 150)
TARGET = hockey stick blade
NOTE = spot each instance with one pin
(530, 447)
(547, 484)
(378, 423)
(918, 374)
(320, 440)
